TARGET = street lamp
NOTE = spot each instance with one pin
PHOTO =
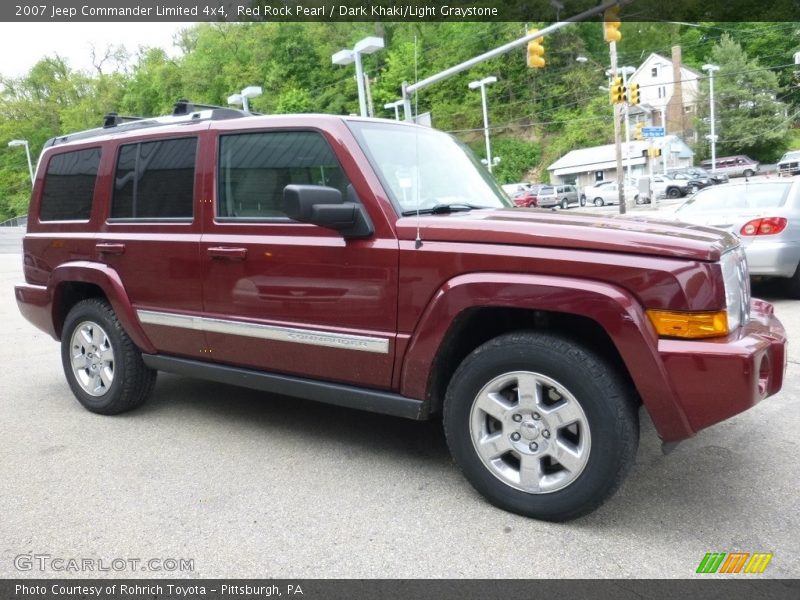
(344, 57)
(252, 91)
(711, 68)
(15, 143)
(396, 106)
(482, 84)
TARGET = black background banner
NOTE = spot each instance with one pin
(388, 10)
(749, 587)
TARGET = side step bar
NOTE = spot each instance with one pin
(377, 401)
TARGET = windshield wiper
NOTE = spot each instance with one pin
(442, 209)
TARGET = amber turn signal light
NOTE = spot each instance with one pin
(693, 325)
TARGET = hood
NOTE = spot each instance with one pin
(584, 231)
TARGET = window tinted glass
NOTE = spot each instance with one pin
(255, 167)
(155, 180)
(69, 186)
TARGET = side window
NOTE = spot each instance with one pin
(155, 180)
(255, 167)
(69, 186)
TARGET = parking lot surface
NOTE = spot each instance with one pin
(245, 484)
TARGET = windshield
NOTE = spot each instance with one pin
(423, 168)
(791, 156)
(740, 197)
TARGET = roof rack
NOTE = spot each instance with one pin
(112, 119)
(184, 112)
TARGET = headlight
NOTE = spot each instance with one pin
(737, 287)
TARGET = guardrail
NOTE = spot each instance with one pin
(21, 221)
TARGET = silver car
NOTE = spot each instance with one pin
(764, 214)
(558, 195)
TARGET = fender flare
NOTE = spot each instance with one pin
(108, 280)
(615, 310)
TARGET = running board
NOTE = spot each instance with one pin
(339, 394)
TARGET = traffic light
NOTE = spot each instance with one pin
(611, 24)
(633, 93)
(536, 53)
(654, 152)
(638, 135)
(617, 91)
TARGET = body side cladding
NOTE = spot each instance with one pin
(370, 400)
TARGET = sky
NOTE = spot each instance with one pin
(23, 44)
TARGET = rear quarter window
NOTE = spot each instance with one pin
(69, 186)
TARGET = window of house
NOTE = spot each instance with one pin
(654, 72)
(69, 186)
(254, 168)
(155, 180)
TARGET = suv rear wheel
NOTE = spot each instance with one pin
(541, 426)
(564, 203)
(673, 192)
(104, 368)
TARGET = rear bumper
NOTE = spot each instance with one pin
(775, 259)
(36, 305)
(714, 380)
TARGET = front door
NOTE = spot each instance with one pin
(289, 297)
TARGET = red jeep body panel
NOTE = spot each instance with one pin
(291, 283)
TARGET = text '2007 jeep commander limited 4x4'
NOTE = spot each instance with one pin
(374, 265)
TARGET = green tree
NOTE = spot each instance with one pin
(750, 118)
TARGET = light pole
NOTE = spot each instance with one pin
(344, 57)
(396, 106)
(15, 143)
(711, 68)
(252, 91)
(482, 84)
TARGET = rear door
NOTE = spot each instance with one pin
(151, 235)
(289, 297)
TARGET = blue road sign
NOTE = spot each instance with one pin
(652, 132)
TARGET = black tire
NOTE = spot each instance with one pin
(749, 173)
(608, 406)
(793, 284)
(583, 200)
(598, 202)
(673, 192)
(564, 203)
(638, 199)
(130, 380)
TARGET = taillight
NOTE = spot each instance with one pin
(765, 226)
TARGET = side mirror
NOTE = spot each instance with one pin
(324, 206)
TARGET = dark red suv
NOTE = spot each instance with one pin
(375, 265)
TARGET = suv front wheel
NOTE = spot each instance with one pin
(541, 426)
(104, 368)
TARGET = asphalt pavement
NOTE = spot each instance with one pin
(245, 484)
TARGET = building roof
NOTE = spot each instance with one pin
(685, 70)
(600, 158)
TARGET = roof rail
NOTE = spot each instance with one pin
(183, 112)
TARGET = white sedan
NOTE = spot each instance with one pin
(607, 192)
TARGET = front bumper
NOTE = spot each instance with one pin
(716, 379)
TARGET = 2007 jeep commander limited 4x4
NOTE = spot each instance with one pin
(374, 265)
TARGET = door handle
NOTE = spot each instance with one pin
(109, 248)
(227, 253)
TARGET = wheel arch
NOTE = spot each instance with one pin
(72, 282)
(470, 309)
